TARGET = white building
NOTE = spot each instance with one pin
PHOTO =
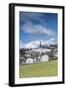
(36, 55)
(29, 61)
(45, 58)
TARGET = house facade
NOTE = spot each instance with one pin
(40, 54)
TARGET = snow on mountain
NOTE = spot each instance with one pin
(36, 43)
(32, 44)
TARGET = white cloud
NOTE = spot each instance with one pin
(28, 27)
(32, 16)
(36, 43)
(32, 44)
(21, 45)
(52, 39)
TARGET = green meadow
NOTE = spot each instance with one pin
(44, 69)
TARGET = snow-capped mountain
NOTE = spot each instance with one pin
(36, 43)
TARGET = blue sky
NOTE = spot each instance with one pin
(38, 26)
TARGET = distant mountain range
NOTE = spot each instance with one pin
(37, 44)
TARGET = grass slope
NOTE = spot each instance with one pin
(39, 70)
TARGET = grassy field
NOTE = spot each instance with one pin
(44, 69)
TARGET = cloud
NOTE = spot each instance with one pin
(36, 43)
(21, 45)
(34, 23)
(28, 27)
(48, 42)
(32, 44)
(28, 16)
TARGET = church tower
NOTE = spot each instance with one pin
(40, 44)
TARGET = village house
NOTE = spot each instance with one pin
(40, 54)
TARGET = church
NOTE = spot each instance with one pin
(40, 54)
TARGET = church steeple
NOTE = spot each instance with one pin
(40, 44)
